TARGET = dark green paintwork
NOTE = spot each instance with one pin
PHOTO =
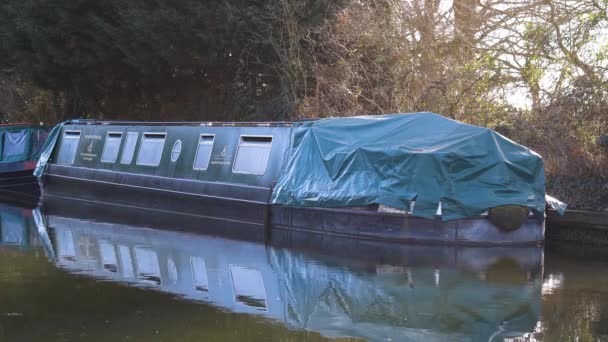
(219, 170)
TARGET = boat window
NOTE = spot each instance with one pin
(176, 150)
(248, 286)
(111, 147)
(203, 152)
(108, 256)
(15, 143)
(69, 145)
(129, 149)
(125, 261)
(148, 269)
(65, 248)
(252, 155)
(199, 274)
(172, 270)
(151, 149)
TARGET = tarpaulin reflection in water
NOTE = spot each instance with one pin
(447, 293)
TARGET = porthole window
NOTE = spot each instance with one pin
(177, 149)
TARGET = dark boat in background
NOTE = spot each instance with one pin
(417, 177)
(21, 145)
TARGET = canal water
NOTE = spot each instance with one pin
(80, 273)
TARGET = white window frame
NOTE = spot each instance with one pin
(235, 295)
(239, 147)
(66, 136)
(198, 145)
(122, 155)
(105, 145)
(143, 137)
(196, 282)
(137, 269)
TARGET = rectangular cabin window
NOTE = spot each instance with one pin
(248, 286)
(108, 256)
(199, 275)
(69, 145)
(151, 149)
(64, 245)
(129, 150)
(252, 155)
(148, 268)
(111, 147)
(203, 152)
(15, 143)
(125, 261)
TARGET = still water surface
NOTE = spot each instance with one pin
(67, 277)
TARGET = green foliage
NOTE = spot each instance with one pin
(137, 58)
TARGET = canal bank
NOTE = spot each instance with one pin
(578, 227)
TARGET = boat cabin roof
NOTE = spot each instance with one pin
(17, 124)
(182, 123)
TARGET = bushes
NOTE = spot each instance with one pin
(533, 70)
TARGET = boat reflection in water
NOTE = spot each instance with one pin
(388, 291)
(335, 287)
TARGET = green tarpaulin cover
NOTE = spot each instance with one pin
(394, 159)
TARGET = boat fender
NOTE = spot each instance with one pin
(509, 217)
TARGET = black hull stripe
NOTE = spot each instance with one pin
(154, 209)
(154, 189)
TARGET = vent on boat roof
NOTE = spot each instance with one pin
(256, 139)
(72, 133)
(207, 137)
(155, 135)
(114, 135)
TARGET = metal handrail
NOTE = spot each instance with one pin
(179, 123)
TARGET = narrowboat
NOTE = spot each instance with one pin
(401, 177)
(367, 295)
(20, 147)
